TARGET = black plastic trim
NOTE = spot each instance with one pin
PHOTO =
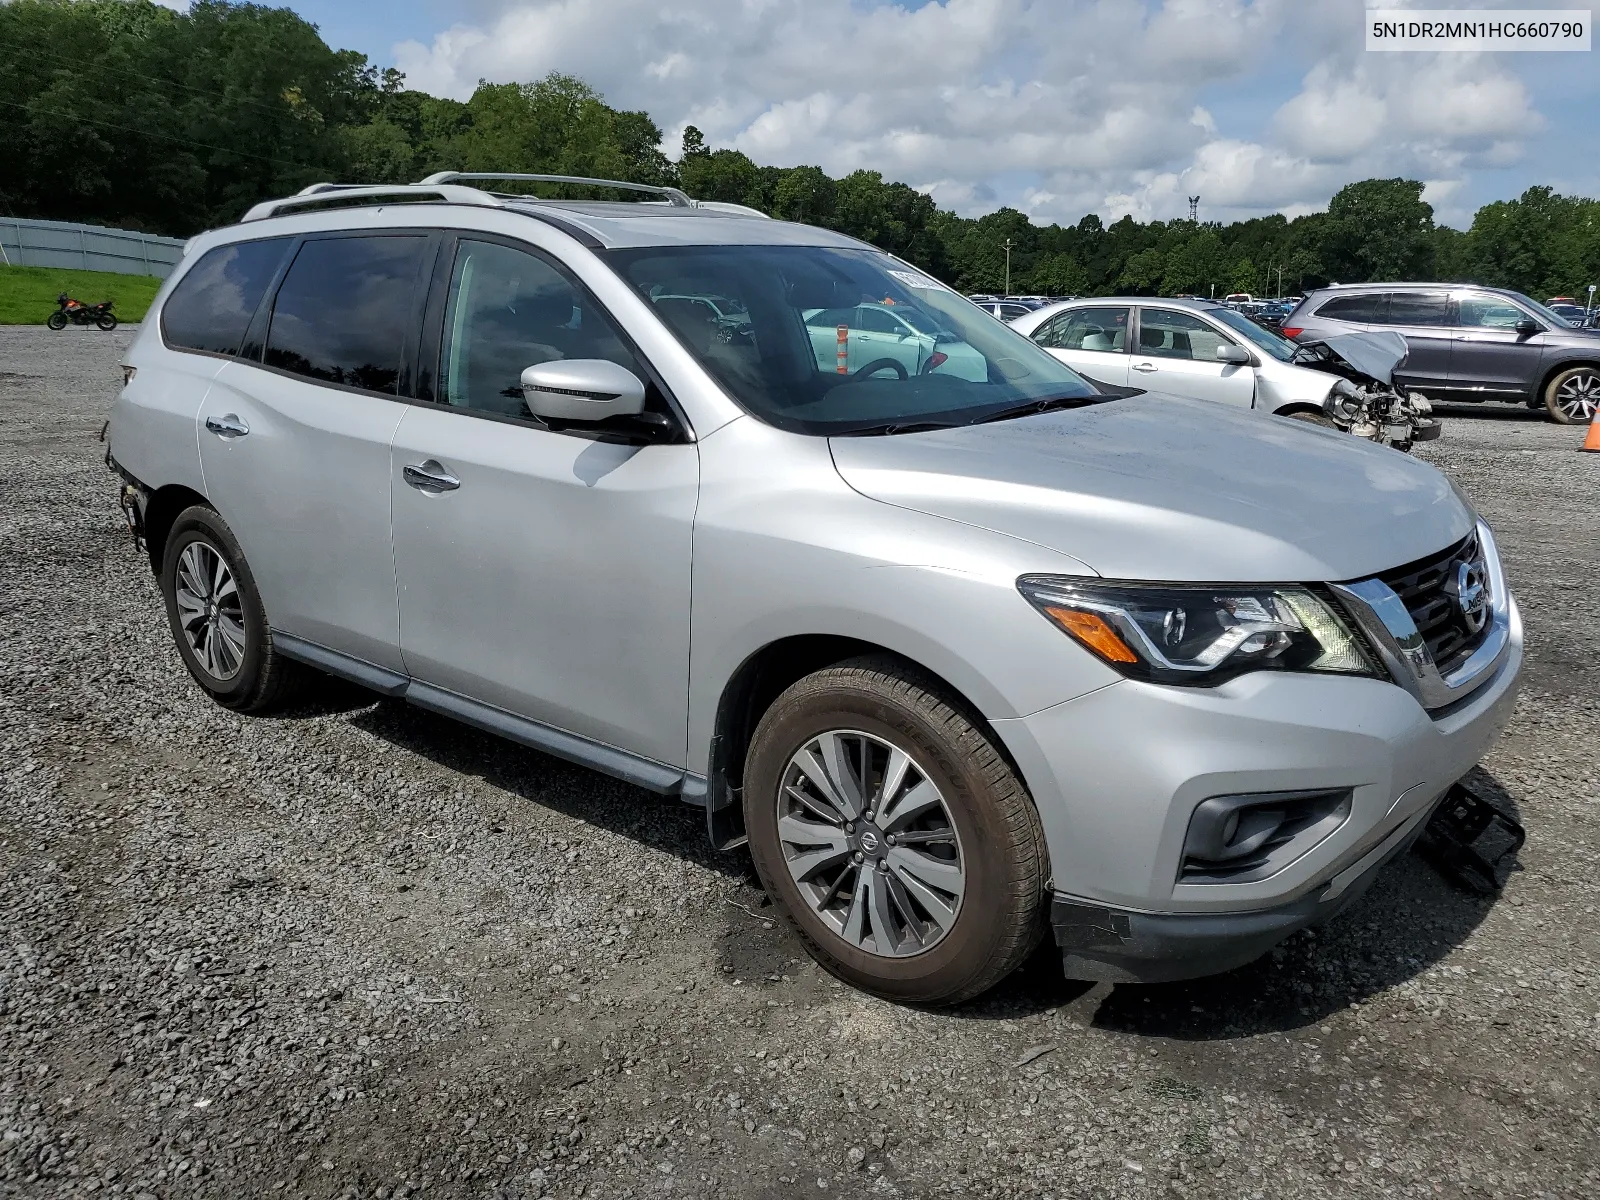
(368, 675)
(1118, 945)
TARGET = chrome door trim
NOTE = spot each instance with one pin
(1386, 622)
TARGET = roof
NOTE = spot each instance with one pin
(668, 218)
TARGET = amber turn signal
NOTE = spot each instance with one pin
(1092, 630)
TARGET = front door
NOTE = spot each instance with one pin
(295, 446)
(1178, 354)
(1092, 341)
(548, 575)
(1491, 356)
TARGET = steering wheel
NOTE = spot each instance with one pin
(879, 364)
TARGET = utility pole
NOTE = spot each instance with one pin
(1280, 281)
(1008, 266)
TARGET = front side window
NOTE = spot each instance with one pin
(782, 360)
(1281, 348)
(211, 307)
(1368, 309)
(1103, 329)
(509, 310)
(1164, 333)
(1418, 308)
(1487, 312)
(343, 312)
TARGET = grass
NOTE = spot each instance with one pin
(28, 294)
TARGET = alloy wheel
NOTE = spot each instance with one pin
(870, 843)
(210, 611)
(1579, 396)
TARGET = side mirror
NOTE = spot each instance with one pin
(1229, 353)
(1528, 326)
(582, 389)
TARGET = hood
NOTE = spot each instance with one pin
(1372, 354)
(1161, 488)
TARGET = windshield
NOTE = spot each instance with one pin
(1548, 314)
(821, 346)
(1280, 348)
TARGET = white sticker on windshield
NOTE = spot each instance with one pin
(912, 279)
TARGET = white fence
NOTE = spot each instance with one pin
(27, 243)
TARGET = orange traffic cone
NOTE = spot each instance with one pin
(1591, 440)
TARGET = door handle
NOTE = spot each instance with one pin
(1146, 367)
(430, 476)
(229, 426)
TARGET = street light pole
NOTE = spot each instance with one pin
(1008, 266)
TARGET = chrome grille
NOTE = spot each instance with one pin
(1427, 589)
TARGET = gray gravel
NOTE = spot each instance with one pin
(357, 950)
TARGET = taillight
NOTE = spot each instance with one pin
(1291, 331)
(937, 359)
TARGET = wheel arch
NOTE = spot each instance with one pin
(160, 511)
(760, 679)
(1549, 376)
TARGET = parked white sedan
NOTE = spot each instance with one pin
(1193, 348)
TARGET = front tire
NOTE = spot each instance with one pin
(893, 834)
(106, 322)
(1573, 395)
(216, 616)
(1312, 418)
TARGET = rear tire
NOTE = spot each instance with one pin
(979, 834)
(57, 321)
(217, 619)
(1572, 396)
(107, 322)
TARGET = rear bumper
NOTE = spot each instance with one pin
(1117, 945)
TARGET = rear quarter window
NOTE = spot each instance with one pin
(1367, 309)
(212, 305)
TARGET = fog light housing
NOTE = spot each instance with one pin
(1243, 838)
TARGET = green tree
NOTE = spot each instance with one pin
(1379, 229)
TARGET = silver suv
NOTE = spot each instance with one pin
(965, 655)
(1468, 343)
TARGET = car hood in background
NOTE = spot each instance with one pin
(1157, 487)
(1375, 355)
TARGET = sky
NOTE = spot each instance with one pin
(1056, 107)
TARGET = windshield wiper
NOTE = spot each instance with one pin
(891, 427)
(1041, 406)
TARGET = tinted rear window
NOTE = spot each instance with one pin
(1418, 308)
(344, 310)
(211, 307)
(1365, 309)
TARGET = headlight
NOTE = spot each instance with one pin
(1198, 635)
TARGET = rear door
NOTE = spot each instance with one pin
(1491, 357)
(1423, 318)
(1178, 354)
(294, 438)
(1093, 341)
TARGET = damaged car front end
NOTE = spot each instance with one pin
(1365, 401)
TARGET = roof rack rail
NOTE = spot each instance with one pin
(350, 195)
(677, 198)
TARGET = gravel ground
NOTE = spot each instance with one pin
(358, 950)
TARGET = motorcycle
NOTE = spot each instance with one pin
(1365, 400)
(77, 312)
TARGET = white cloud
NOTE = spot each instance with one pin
(1056, 106)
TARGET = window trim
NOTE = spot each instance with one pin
(292, 242)
(430, 349)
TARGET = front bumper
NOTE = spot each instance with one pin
(1117, 774)
(1124, 946)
